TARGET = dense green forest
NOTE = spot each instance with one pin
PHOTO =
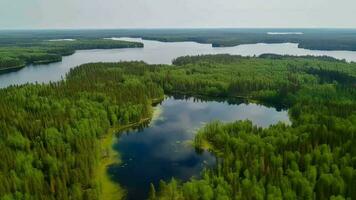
(16, 54)
(316, 39)
(49, 133)
(312, 159)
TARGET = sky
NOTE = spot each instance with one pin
(48, 14)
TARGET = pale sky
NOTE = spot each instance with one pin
(33, 14)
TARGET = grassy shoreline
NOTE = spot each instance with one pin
(109, 189)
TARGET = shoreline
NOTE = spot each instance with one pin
(60, 58)
(110, 190)
(11, 69)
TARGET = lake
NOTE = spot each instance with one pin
(154, 52)
(163, 149)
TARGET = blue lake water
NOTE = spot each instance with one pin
(163, 149)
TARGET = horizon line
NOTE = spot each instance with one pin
(171, 28)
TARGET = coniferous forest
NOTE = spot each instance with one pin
(49, 133)
(17, 53)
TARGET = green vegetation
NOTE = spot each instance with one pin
(50, 133)
(312, 159)
(316, 39)
(17, 54)
(109, 189)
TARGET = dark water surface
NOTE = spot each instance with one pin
(163, 150)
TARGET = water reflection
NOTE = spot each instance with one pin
(163, 149)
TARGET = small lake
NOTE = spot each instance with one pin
(154, 52)
(163, 149)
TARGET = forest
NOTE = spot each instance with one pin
(17, 54)
(49, 133)
(314, 39)
(314, 158)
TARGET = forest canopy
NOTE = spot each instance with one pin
(49, 133)
(18, 54)
(315, 39)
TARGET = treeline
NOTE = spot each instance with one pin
(314, 158)
(318, 39)
(16, 55)
(314, 39)
(49, 134)
(268, 79)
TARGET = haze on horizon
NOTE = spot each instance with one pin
(46, 14)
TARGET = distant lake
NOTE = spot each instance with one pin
(57, 40)
(154, 52)
(163, 149)
(285, 33)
